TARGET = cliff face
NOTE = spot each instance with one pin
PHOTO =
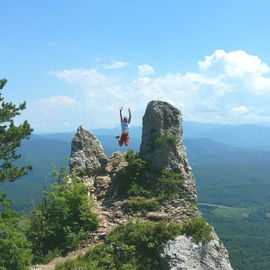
(162, 146)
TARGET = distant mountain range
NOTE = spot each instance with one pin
(205, 143)
(233, 145)
(245, 136)
(249, 137)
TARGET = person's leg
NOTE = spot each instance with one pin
(121, 140)
(126, 140)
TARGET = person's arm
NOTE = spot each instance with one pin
(129, 119)
(121, 117)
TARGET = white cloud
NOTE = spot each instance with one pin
(237, 65)
(240, 110)
(79, 75)
(60, 101)
(230, 88)
(55, 113)
(116, 65)
(145, 70)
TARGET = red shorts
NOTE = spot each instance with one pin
(124, 139)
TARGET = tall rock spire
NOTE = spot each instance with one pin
(162, 142)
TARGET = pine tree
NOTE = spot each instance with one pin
(10, 138)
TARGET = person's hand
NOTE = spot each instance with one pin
(129, 108)
(121, 108)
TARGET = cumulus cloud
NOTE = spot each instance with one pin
(230, 87)
(237, 65)
(145, 70)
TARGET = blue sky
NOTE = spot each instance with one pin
(77, 62)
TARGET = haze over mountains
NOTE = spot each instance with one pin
(245, 136)
(205, 142)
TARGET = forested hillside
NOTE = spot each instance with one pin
(233, 188)
(235, 199)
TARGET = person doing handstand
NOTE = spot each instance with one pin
(125, 128)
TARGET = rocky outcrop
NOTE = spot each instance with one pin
(184, 254)
(87, 153)
(92, 166)
(162, 142)
(162, 145)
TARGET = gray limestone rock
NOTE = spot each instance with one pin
(162, 145)
(183, 254)
(87, 153)
(162, 142)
